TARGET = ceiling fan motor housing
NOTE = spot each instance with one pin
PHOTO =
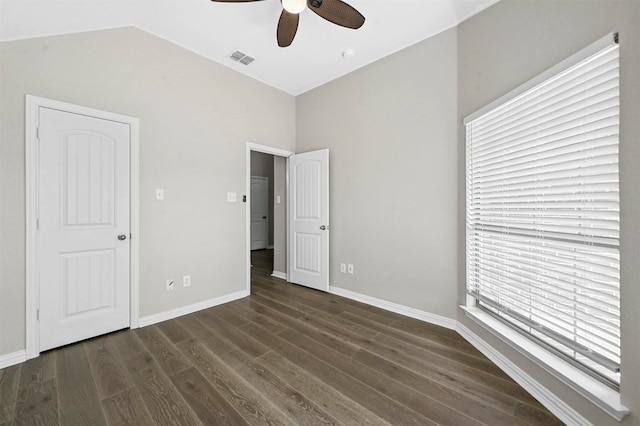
(316, 3)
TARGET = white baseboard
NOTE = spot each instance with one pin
(554, 404)
(12, 359)
(270, 247)
(394, 307)
(278, 274)
(185, 310)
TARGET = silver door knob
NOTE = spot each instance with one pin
(122, 237)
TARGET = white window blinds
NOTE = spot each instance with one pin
(543, 212)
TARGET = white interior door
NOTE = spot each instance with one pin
(84, 227)
(309, 219)
(259, 212)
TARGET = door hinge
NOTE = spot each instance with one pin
(38, 314)
(38, 224)
(38, 132)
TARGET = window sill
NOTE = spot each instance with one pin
(597, 393)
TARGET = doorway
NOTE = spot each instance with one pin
(267, 204)
(306, 242)
(267, 161)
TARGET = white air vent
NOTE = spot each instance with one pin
(246, 60)
(238, 56)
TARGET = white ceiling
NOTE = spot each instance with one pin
(215, 30)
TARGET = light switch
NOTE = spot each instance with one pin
(231, 197)
(159, 194)
(277, 199)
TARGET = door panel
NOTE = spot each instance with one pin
(84, 206)
(259, 213)
(308, 190)
(308, 253)
(88, 284)
(87, 179)
(309, 223)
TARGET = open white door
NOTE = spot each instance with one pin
(309, 219)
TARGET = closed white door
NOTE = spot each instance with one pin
(259, 212)
(309, 219)
(83, 234)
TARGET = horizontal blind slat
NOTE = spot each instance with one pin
(609, 268)
(558, 277)
(553, 316)
(586, 114)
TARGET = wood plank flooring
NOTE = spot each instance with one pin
(286, 355)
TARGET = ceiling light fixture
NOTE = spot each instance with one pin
(294, 6)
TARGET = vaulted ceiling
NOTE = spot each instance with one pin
(216, 30)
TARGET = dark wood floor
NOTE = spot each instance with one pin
(285, 355)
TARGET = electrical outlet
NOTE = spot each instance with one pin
(159, 194)
(343, 268)
(170, 285)
(350, 268)
(186, 281)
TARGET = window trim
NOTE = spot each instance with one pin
(595, 391)
(601, 395)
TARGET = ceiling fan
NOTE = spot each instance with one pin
(335, 11)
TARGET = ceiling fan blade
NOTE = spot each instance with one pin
(234, 1)
(287, 27)
(338, 12)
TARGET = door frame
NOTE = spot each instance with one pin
(266, 150)
(32, 105)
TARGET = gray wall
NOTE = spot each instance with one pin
(280, 215)
(195, 118)
(392, 136)
(505, 46)
(262, 165)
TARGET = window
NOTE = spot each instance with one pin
(543, 210)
